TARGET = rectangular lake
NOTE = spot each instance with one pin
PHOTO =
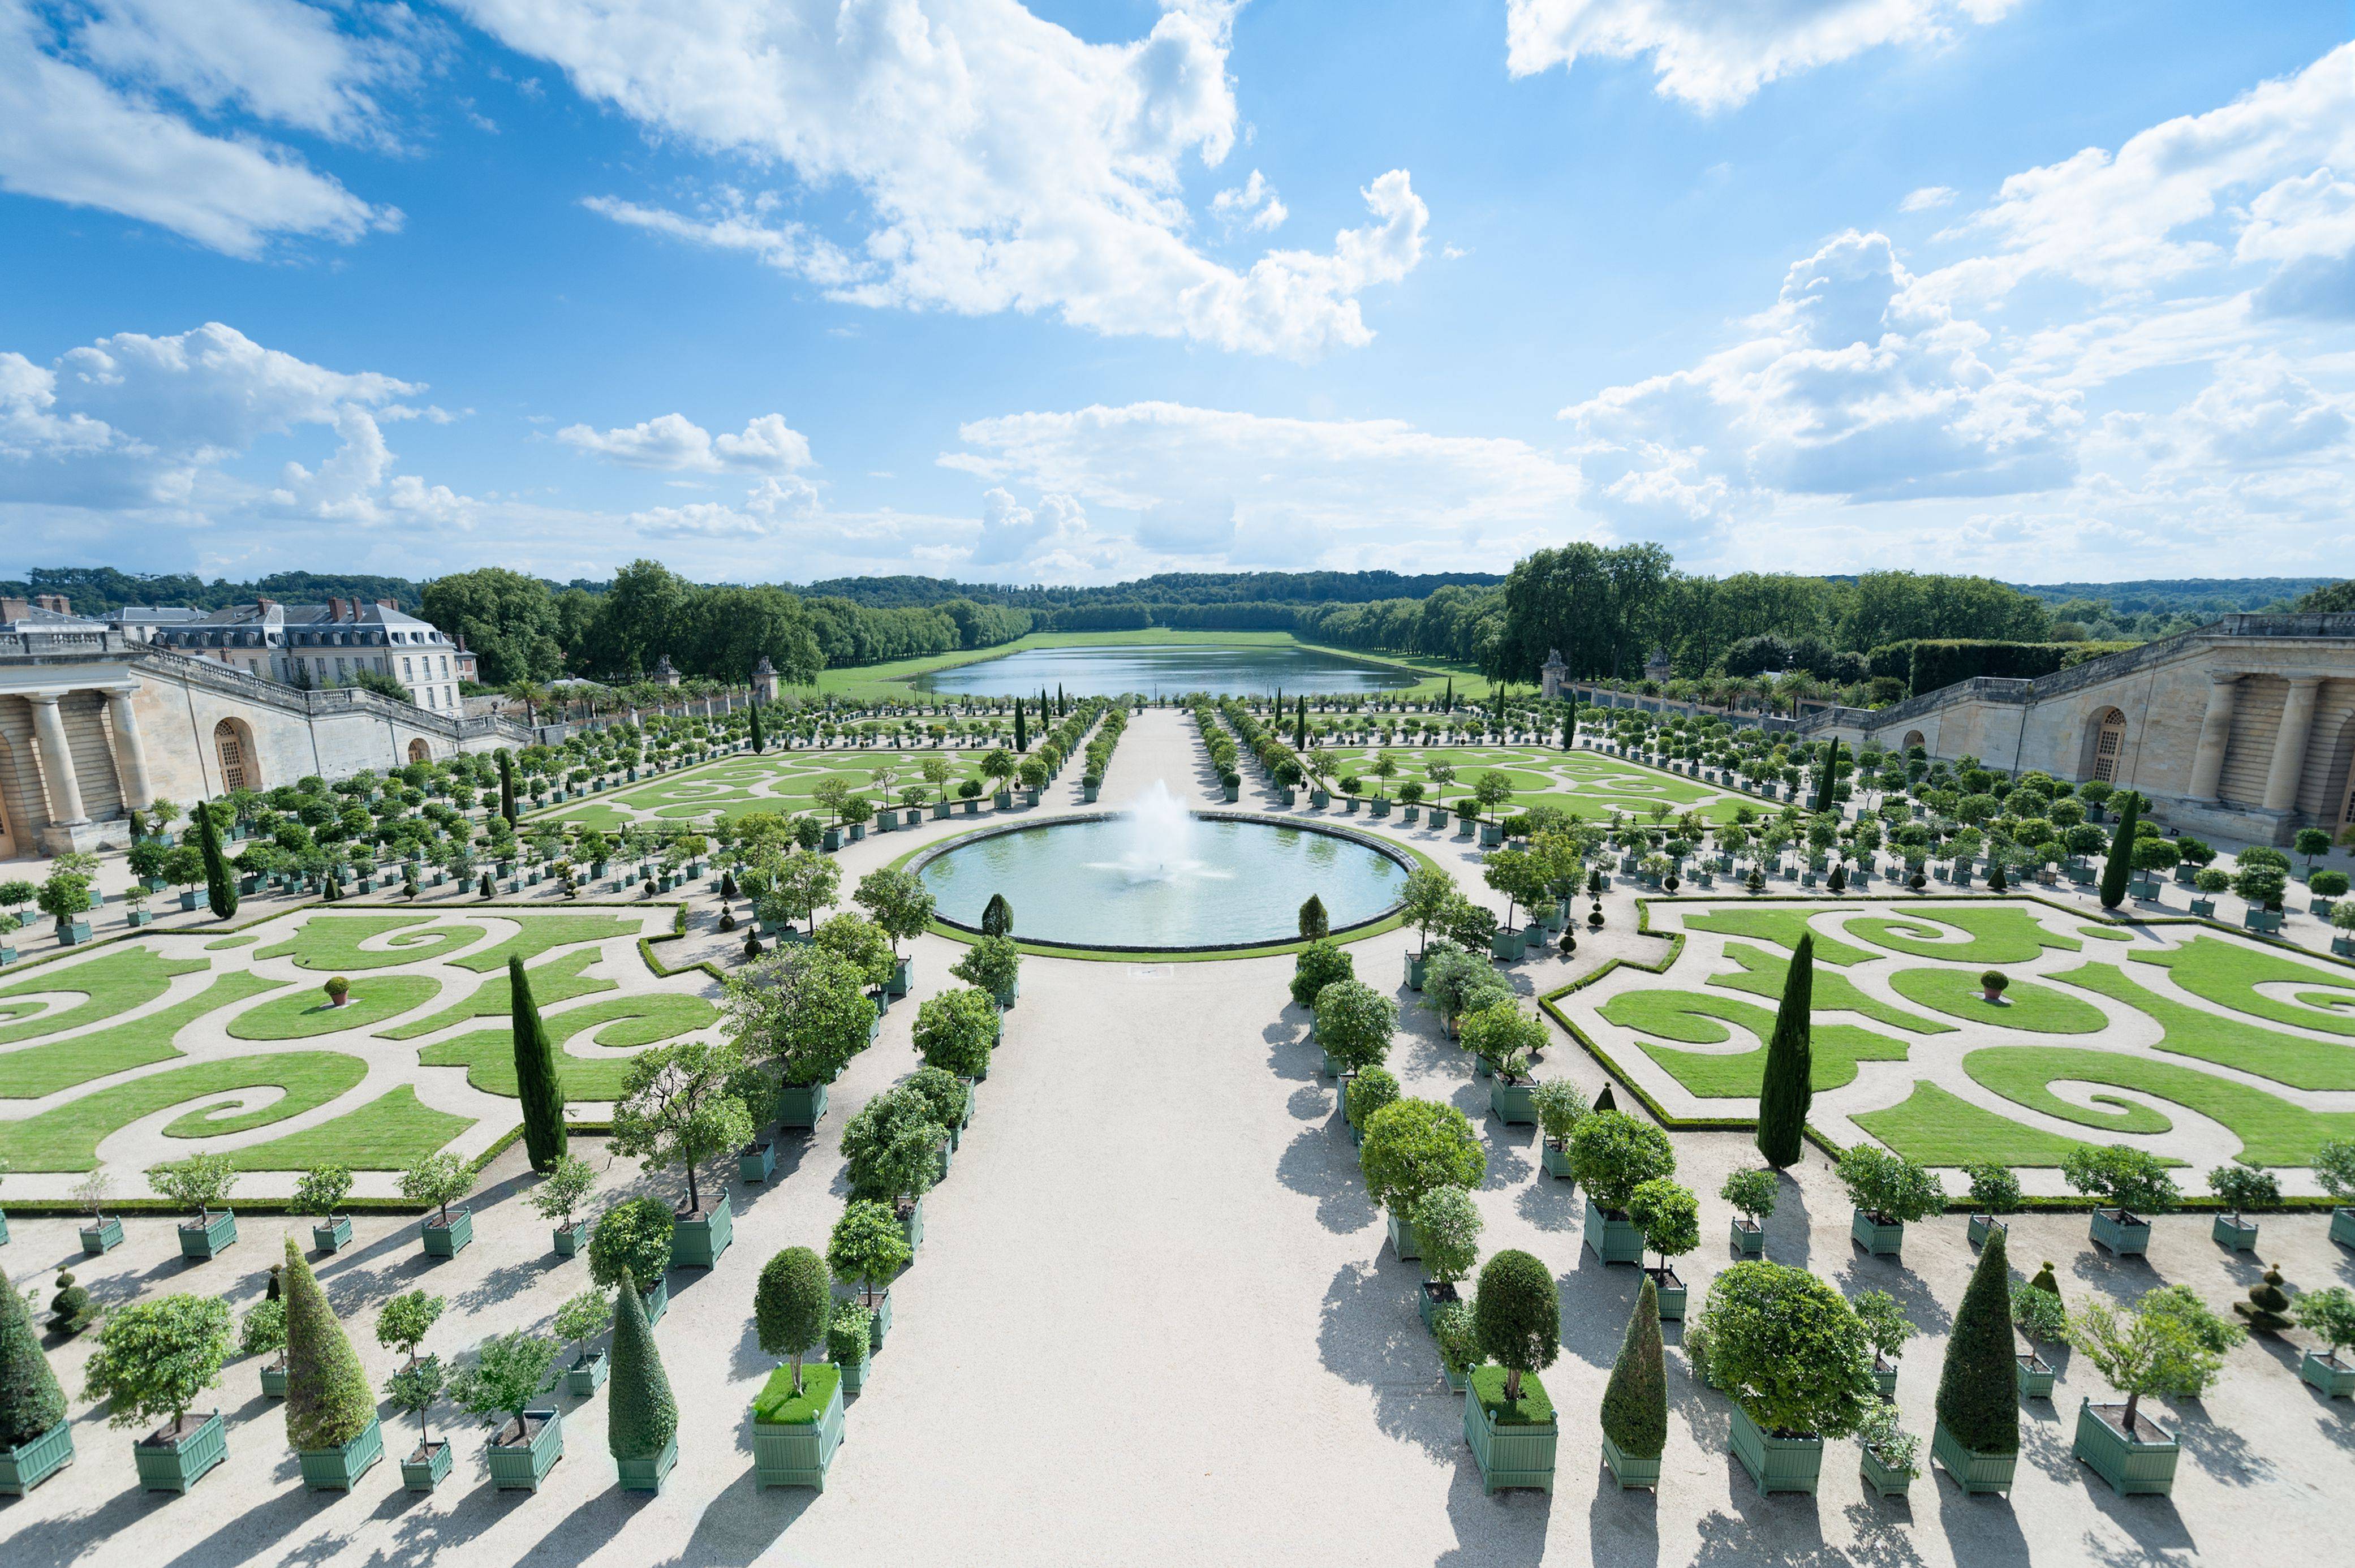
(1167, 669)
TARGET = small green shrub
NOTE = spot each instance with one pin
(1751, 1192)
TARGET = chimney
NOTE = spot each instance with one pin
(387, 605)
(264, 606)
(335, 608)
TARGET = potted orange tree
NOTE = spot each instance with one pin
(154, 1359)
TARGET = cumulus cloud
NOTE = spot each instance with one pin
(2257, 412)
(676, 444)
(1250, 204)
(1012, 532)
(87, 116)
(1004, 164)
(1714, 55)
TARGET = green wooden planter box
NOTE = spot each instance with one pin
(1554, 1160)
(1515, 1104)
(656, 1301)
(902, 975)
(1438, 817)
(1403, 1239)
(571, 1239)
(1614, 1238)
(521, 1467)
(912, 1223)
(756, 1161)
(335, 1470)
(1749, 1240)
(2235, 1234)
(2334, 1377)
(334, 1235)
(1504, 944)
(1880, 1238)
(422, 1473)
(448, 1241)
(588, 1374)
(102, 1238)
(1884, 1481)
(801, 1106)
(1980, 1226)
(1672, 1292)
(1416, 964)
(25, 1467)
(208, 1237)
(2342, 1226)
(274, 1378)
(1884, 1378)
(800, 1455)
(697, 1241)
(649, 1475)
(1776, 1463)
(1431, 1298)
(1628, 1470)
(1465, 827)
(2131, 1467)
(1491, 835)
(2121, 1233)
(2033, 1376)
(1519, 1454)
(854, 1378)
(174, 1465)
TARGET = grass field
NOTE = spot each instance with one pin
(67, 1137)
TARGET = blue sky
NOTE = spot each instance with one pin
(781, 289)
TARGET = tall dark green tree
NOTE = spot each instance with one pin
(642, 1416)
(1315, 925)
(30, 1401)
(997, 916)
(2120, 865)
(507, 787)
(328, 1401)
(1790, 1063)
(220, 894)
(1300, 728)
(1570, 726)
(1824, 784)
(1635, 1403)
(1977, 1401)
(1021, 725)
(538, 1083)
(760, 741)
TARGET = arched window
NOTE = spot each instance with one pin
(1912, 739)
(2109, 743)
(235, 747)
(418, 752)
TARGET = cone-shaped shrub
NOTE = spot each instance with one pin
(2120, 865)
(538, 1084)
(759, 738)
(30, 1401)
(1636, 1405)
(642, 1416)
(1783, 1097)
(507, 789)
(220, 892)
(1976, 1397)
(328, 1401)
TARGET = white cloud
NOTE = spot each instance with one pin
(677, 443)
(1713, 55)
(1928, 199)
(2257, 412)
(1003, 163)
(1250, 204)
(1011, 533)
(68, 134)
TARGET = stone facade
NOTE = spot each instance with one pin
(2243, 729)
(1552, 677)
(314, 645)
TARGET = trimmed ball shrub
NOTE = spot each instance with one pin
(789, 1306)
(1788, 1348)
(1414, 1146)
(1636, 1404)
(1611, 1154)
(1315, 966)
(632, 1241)
(1517, 1317)
(1976, 1401)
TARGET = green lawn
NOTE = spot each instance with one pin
(1782, 926)
(2040, 1010)
(1764, 974)
(2229, 973)
(67, 1137)
(2272, 1131)
(330, 944)
(545, 933)
(300, 1015)
(2004, 935)
(41, 1070)
(392, 1132)
(2228, 1042)
(1932, 1126)
(1694, 1017)
(110, 985)
(559, 979)
(488, 1055)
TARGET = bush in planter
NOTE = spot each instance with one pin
(641, 1417)
(2328, 1315)
(1354, 1024)
(1669, 1217)
(70, 1309)
(849, 1334)
(1517, 1317)
(1787, 1088)
(1499, 1032)
(1315, 966)
(581, 1318)
(789, 1306)
(1751, 1192)
(1369, 1091)
(899, 901)
(322, 1192)
(403, 1323)
(31, 1403)
(508, 1373)
(633, 1240)
(685, 1104)
(2241, 1187)
(200, 1182)
(945, 1100)
(1459, 981)
(155, 1357)
(1611, 1154)
(1414, 1146)
(1885, 1325)
(328, 1401)
(437, 1181)
(1788, 1348)
(1635, 1403)
(1889, 1189)
(558, 1196)
(1458, 1335)
(2134, 1183)
(955, 1030)
(867, 1247)
(1447, 1229)
(1994, 1190)
(262, 1330)
(1895, 1449)
(992, 963)
(889, 1148)
(2038, 1314)
(804, 1007)
(859, 943)
(2170, 1345)
(1560, 1106)
(1977, 1404)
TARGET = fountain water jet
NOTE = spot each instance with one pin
(1159, 840)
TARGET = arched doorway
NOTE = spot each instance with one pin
(418, 752)
(1912, 739)
(233, 744)
(2109, 741)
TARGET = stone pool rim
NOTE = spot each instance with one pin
(1398, 855)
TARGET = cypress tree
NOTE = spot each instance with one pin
(1782, 1098)
(1451, 694)
(1824, 784)
(220, 894)
(642, 1417)
(538, 1084)
(1300, 727)
(507, 789)
(997, 916)
(1570, 727)
(1314, 924)
(328, 1401)
(760, 741)
(2120, 865)
(30, 1401)
(1636, 1404)
(1976, 1398)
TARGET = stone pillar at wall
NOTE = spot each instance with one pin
(129, 751)
(2215, 733)
(57, 761)
(2290, 741)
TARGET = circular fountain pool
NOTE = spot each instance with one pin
(1158, 878)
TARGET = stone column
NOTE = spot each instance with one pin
(2215, 734)
(130, 752)
(57, 761)
(2290, 743)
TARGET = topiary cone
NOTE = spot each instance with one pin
(2268, 1305)
(538, 1084)
(2045, 1282)
(328, 1401)
(642, 1416)
(30, 1401)
(1636, 1404)
(1788, 1088)
(1976, 1399)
